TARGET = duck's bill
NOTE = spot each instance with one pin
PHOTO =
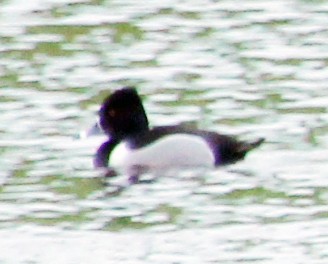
(94, 130)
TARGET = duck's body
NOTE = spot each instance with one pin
(133, 144)
(177, 150)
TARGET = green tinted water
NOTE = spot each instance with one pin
(250, 69)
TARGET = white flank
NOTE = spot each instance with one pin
(177, 150)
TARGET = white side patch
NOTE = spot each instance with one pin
(177, 150)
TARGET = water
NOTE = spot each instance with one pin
(252, 69)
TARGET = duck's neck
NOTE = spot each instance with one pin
(103, 152)
(134, 125)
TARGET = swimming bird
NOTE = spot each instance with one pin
(133, 144)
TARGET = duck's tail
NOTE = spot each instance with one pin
(247, 146)
(233, 150)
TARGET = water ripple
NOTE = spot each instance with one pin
(256, 69)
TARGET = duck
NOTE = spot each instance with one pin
(132, 143)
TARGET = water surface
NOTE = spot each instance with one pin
(252, 69)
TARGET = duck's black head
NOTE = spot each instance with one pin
(122, 114)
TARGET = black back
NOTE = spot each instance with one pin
(226, 149)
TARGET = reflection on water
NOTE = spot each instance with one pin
(253, 69)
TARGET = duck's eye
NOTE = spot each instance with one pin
(112, 113)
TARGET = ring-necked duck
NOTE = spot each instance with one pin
(132, 143)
